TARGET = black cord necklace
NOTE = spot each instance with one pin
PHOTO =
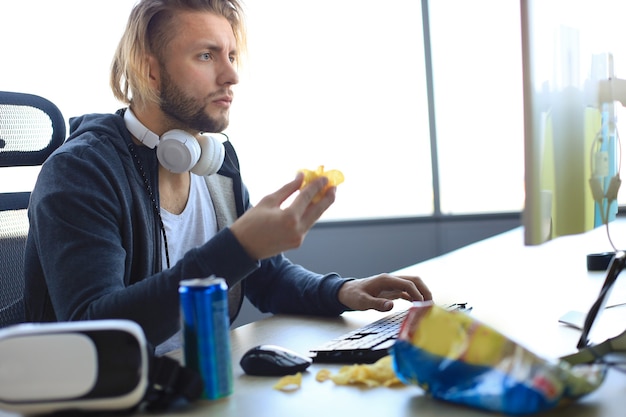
(155, 206)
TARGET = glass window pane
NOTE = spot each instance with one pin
(61, 50)
(339, 84)
(476, 48)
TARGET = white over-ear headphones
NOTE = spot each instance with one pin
(179, 151)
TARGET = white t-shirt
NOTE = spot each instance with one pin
(194, 226)
(187, 230)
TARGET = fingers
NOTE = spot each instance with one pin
(420, 285)
(307, 195)
(379, 304)
(377, 292)
(307, 206)
(407, 287)
(314, 210)
(282, 194)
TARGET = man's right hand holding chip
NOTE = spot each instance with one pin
(269, 228)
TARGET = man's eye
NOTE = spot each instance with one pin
(206, 56)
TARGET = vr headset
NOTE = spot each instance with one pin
(100, 365)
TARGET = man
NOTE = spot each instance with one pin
(114, 227)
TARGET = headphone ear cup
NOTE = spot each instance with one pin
(178, 151)
(211, 156)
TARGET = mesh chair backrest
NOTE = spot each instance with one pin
(31, 128)
(13, 230)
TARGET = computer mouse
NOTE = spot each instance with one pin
(272, 360)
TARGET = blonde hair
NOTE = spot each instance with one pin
(147, 33)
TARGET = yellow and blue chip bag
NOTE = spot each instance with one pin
(456, 358)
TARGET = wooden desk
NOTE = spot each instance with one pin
(519, 290)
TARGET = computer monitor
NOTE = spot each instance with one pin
(570, 134)
(572, 98)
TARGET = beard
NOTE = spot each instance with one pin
(187, 111)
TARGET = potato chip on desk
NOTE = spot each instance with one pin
(378, 374)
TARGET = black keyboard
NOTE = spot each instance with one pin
(368, 343)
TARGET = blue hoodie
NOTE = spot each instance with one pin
(94, 246)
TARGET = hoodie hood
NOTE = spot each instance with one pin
(96, 128)
(100, 124)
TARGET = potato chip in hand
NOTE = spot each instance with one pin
(335, 177)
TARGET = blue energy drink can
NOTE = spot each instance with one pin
(206, 336)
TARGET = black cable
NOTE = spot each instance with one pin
(619, 366)
(155, 205)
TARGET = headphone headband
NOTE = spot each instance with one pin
(138, 130)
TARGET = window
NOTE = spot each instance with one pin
(477, 67)
(338, 83)
(60, 50)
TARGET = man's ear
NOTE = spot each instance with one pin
(154, 72)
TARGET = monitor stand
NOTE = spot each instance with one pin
(599, 261)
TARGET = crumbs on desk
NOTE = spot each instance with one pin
(289, 382)
(380, 373)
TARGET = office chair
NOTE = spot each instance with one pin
(31, 127)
